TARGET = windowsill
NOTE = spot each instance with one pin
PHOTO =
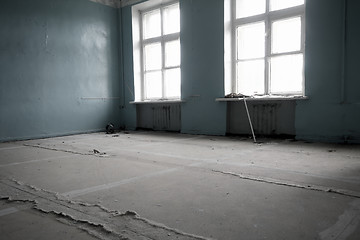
(157, 101)
(263, 98)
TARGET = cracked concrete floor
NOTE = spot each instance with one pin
(153, 185)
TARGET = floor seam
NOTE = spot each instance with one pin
(291, 184)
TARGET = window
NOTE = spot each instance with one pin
(267, 42)
(160, 52)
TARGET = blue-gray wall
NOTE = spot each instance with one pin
(128, 111)
(202, 67)
(332, 112)
(57, 58)
(202, 71)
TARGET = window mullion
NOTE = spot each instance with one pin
(172, 67)
(286, 53)
(268, 18)
(251, 19)
(303, 50)
(151, 40)
(142, 67)
(171, 37)
(234, 63)
(234, 84)
(162, 54)
(302, 33)
(287, 13)
(163, 68)
(248, 59)
(156, 87)
(267, 49)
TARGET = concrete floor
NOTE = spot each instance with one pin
(153, 185)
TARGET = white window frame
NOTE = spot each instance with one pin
(268, 17)
(162, 39)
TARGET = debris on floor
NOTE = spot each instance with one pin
(216, 187)
(98, 153)
(93, 218)
(110, 128)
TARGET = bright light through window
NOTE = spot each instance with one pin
(251, 41)
(161, 53)
(152, 24)
(286, 73)
(282, 4)
(250, 75)
(172, 82)
(152, 53)
(172, 53)
(153, 84)
(171, 19)
(286, 35)
(247, 8)
(269, 47)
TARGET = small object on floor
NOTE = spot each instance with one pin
(96, 151)
(110, 128)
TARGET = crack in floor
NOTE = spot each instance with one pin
(95, 152)
(288, 183)
(95, 219)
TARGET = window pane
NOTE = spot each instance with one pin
(171, 19)
(153, 85)
(172, 53)
(251, 41)
(286, 74)
(172, 83)
(282, 4)
(152, 56)
(152, 24)
(286, 35)
(250, 77)
(247, 8)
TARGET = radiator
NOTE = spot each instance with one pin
(264, 118)
(167, 117)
